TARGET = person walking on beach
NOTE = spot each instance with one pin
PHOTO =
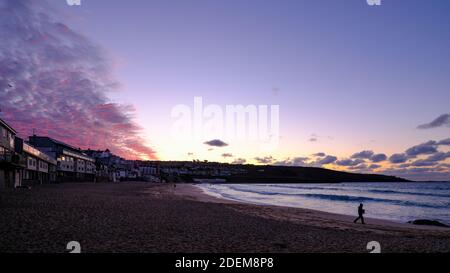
(361, 211)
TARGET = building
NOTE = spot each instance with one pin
(40, 168)
(106, 164)
(149, 170)
(11, 163)
(72, 164)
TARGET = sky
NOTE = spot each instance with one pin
(351, 80)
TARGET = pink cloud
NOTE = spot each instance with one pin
(56, 81)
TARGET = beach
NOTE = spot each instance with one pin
(140, 217)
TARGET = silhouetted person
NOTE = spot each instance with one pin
(361, 211)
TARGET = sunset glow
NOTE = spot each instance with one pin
(80, 75)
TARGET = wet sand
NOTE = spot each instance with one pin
(143, 217)
(310, 216)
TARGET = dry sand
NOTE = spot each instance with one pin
(143, 217)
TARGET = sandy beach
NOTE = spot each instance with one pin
(142, 217)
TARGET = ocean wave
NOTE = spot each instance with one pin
(409, 193)
(361, 190)
(306, 187)
(384, 191)
(399, 202)
(348, 198)
(343, 198)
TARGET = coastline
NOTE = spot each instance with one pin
(313, 217)
(139, 217)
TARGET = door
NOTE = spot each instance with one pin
(18, 179)
(2, 179)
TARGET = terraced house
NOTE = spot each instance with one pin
(11, 163)
(39, 168)
(71, 163)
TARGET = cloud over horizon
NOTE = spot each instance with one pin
(215, 143)
(56, 80)
(363, 154)
(376, 158)
(414, 163)
(398, 158)
(265, 160)
(326, 160)
(239, 161)
(349, 162)
(429, 147)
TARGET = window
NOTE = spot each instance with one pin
(11, 141)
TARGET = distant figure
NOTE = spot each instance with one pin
(361, 211)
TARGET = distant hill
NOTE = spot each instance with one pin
(187, 171)
(287, 174)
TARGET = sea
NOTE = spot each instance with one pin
(398, 202)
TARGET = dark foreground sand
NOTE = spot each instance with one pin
(142, 217)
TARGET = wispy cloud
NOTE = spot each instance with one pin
(239, 161)
(424, 161)
(376, 158)
(216, 143)
(370, 155)
(431, 160)
(349, 162)
(363, 154)
(56, 80)
(444, 142)
(326, 160)
(296, 161)
(429, 147)
(442, 120)
(398, 158)
(265, 160)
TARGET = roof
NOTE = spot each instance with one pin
(66, 148)
(37, 153)
(64, 144)
(57, 142)
(4, 124)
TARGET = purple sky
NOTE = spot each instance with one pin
(350, 76)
